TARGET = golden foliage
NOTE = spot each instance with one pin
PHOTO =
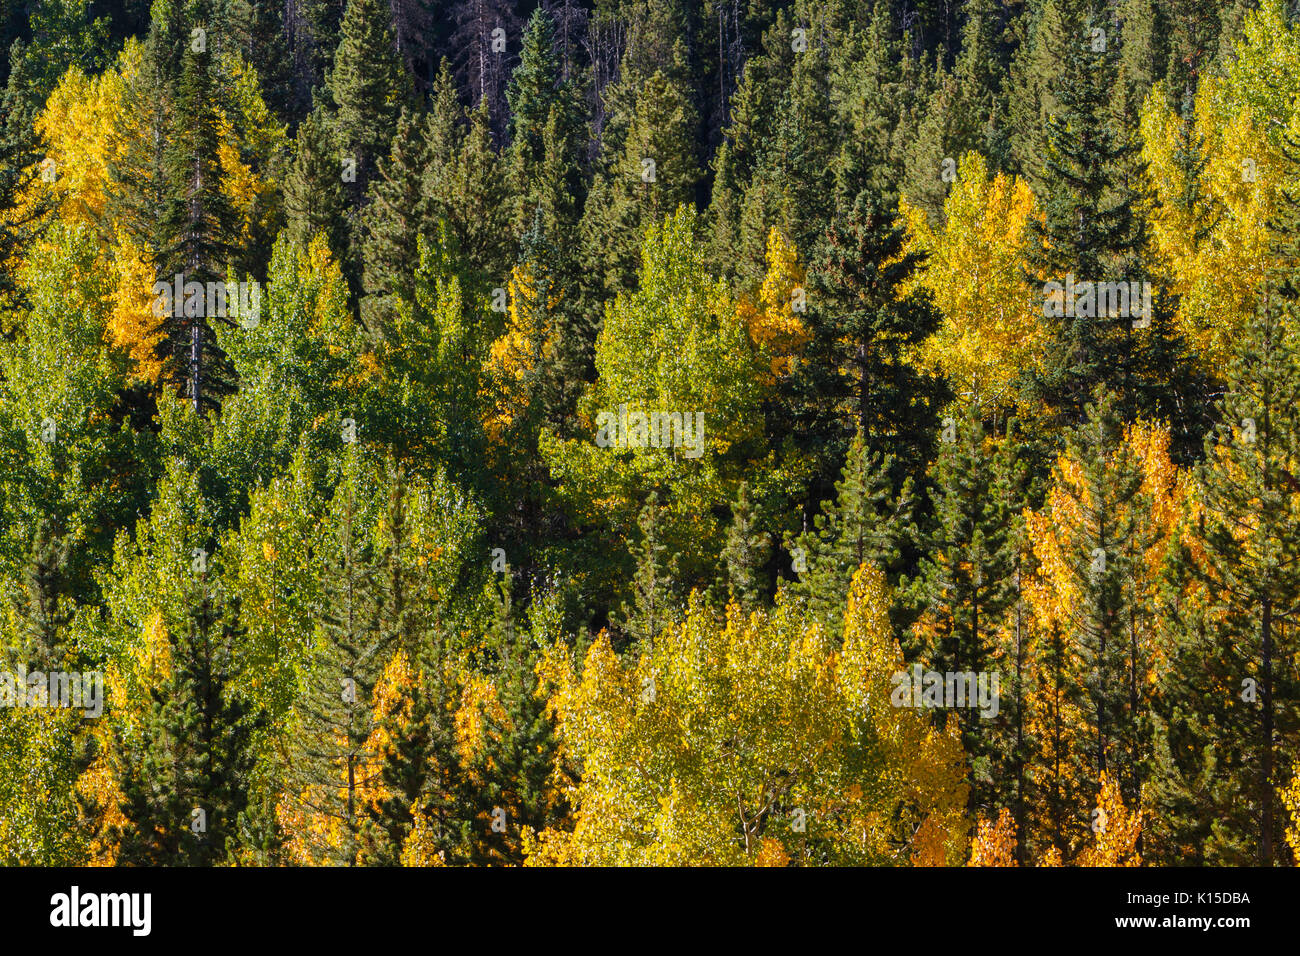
(528, 344)
(995, 842)
(132, 326)
(974, 270)
(1116, 838)
(1291, 800)
(773, 327)
(724, 736)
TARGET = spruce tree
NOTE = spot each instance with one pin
(198, 232)
(1230, 698)
(314, 200)
(747, 554)
(513, 780)
(368, 87)
(328, 772)
(1092, 232)
(966, 590)
(866, 522)
(44, 607)
(1104, 550)
(396, 217)
(653, 173)
(650, 610)
(854, 375)
(186, 776)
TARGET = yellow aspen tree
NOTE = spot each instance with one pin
(995, 841)
(1291, 800)
(1217, 183)
(133, 325)
(1116, 829)
(974, 270)
(723, 737)
(773, 320)
(528, 344)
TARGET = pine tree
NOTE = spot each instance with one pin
(854, 375)
(1092, 231)
(185, 779)
(136, 164)
(653, 174)
(652, 585)
(546, 136)
(396, 216)
(43, 606)
(329, 774)
(1094, 539)
(62, 36)
(268, 52)
(514, 777)
(967, 591)
(419, 765)
(197, 227)
(1054, 37)
(314, 200)
(1194, 29)
(747, 554)
(865, 523)
(368, 87)
(793, 186)
(1230, 698)
(468, 190)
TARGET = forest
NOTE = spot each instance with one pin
(650, 433)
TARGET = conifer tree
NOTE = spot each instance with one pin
(1230, 699)
(1093, 540)
(1092, 230)
(268, 53)
(42, 607)
(396, 217)
(136, 165)
(19, 169)
(414, 708)
(368, 87)
(747, 554)
(329, 774)
(653, 173)
(867, 522)
(854, 375)
(314, 200)
(513, 779)
(652, 586)
(967, 590)
(185, 775)
(468, 190)
(198, 232)
(546, 134)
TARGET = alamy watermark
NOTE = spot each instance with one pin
(242, 300)
(1127, 300)
(948, 689)
(658, 429)
(54, 689)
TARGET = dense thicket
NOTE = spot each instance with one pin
(613, 432)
